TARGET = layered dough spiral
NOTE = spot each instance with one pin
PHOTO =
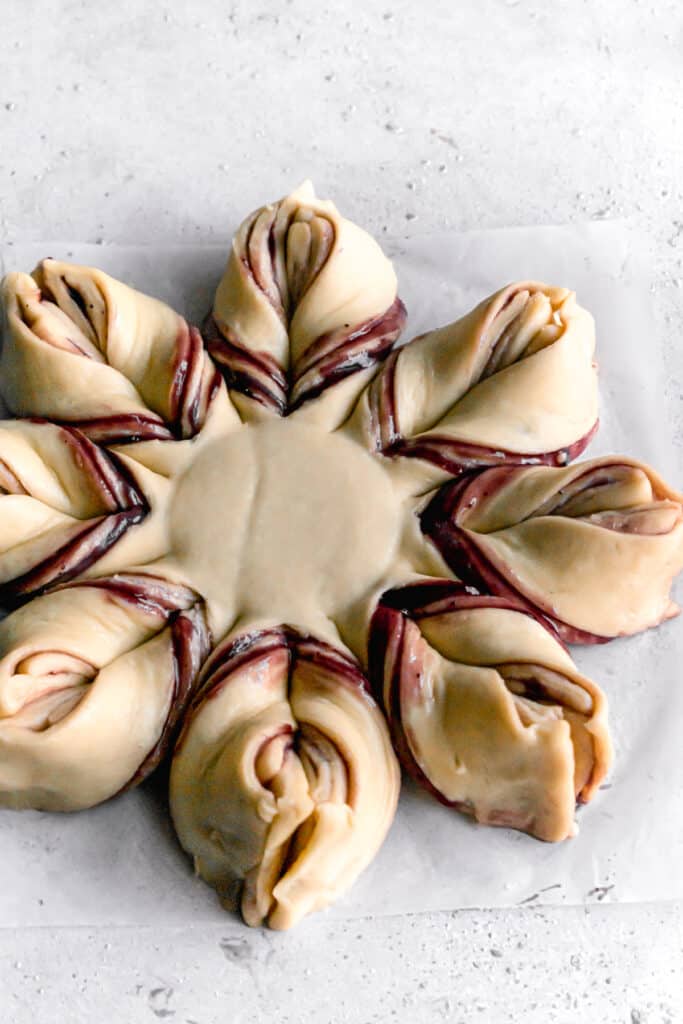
(93, 680)
(486, 707)
(511, 381)
(307, 300)
(283, 782)
(87, 350)
(594, 546)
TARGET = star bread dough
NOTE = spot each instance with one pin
(239, 546)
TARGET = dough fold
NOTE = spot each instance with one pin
(64, 503)
(85, 349)
(511, 381)
(487, 710)
(93, 680)
(307, 299)
(593, 546)
(283, 781)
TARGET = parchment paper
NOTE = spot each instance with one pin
(120, 864)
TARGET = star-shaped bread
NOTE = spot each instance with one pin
(287, 553)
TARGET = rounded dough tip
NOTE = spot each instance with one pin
(305, 191)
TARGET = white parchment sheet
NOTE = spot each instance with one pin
(120, 863)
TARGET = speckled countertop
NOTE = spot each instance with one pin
(135, 123)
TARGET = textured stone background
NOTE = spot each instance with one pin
(132, 122)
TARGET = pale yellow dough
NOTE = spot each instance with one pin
(299, 834)
(506, 757)
(304, 521)
(606, 581)
(120, 360)
(282, 531)
(294, 525)
(327, 275)
(515, 375)
(80, 671)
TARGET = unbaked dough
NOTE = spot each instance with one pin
(232, 542)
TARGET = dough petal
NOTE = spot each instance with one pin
(85, 349)
(64, 504)
(513, 381)
(307, 299)
(594, 546)
(93, 680)
(487, 709)
(283, 782)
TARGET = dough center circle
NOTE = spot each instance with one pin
(283, 520)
